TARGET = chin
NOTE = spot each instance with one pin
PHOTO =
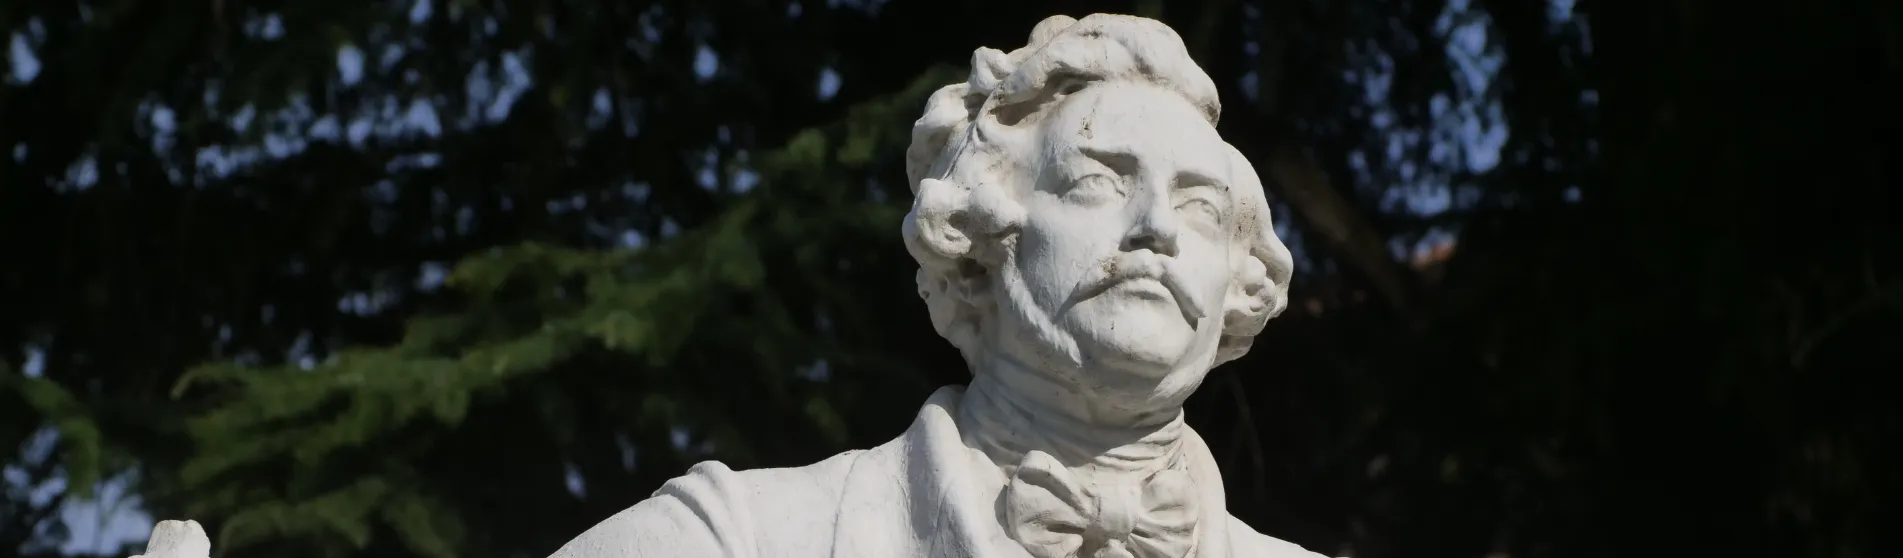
(1144, 342)
(1150, 376)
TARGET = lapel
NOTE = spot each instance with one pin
(927, 494)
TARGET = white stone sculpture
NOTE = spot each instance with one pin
(1093, 248)
(177, 539)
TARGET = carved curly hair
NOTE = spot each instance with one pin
(960, 225)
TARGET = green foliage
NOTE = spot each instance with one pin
(646, 303)
(528, 260)
(79, 434)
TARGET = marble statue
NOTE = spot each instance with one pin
(177, 539)
(1093, 248)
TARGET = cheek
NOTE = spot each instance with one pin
(1210, 265)
(1062, 242)
(1046, 248)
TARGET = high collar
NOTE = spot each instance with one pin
(1005, 420)
(951, 491)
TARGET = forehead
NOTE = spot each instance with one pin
(1149, 122)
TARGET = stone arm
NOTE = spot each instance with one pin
(710, 512)
(713, 511)
(688, 517)
(699, 514)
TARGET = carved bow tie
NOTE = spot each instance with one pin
(1054, 516)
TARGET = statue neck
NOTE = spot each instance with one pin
(1010, 410)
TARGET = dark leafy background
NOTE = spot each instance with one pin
(462, 277)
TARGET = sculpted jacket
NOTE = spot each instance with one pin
(924, 494)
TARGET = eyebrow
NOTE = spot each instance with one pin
(1191, 177)
(1120, 161)
(1124, 161)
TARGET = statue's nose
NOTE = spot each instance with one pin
(1156, 225)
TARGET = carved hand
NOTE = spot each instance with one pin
(177, 539)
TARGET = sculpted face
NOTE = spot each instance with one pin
(1125, 245)
(1083, 234)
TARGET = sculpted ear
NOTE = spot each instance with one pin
(950, 227)
(1258, 290)
(938, 220)
(946, 215)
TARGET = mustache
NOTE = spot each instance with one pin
(1132, 266)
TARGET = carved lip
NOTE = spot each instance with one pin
(1142, 274)
(1143, 287)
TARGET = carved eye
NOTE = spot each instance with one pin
(1201, 208)
(1094, 189)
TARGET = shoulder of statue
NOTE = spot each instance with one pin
(713, 478)
(827, 471)
(714, 510)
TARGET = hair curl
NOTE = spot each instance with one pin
(959, 224)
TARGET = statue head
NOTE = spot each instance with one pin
(1075, 211)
